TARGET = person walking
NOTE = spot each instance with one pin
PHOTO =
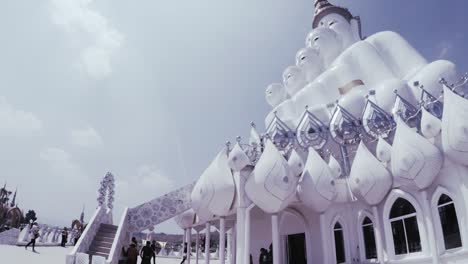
(132, 254)
(185, 253)
(64, 237)
(146, 253)
(33, 235)
(153, 247)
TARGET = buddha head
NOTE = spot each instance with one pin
(338, 19)
(294, 80)
(326, 42)
(309, 60)
(275, 94)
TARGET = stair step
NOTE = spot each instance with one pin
(94, 253)
(102, 243)
(110, 227)
(100, 249)
(104, 239)
(108, 235)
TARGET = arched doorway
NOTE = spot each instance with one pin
(295, 236)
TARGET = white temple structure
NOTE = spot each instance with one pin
(364, 160)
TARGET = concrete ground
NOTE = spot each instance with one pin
(56, 255)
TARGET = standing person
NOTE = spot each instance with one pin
(64, 237)
(270, 254)
(153, 247)
(33, 235)
(132, 254)
(77, 237)
(185, 253)
(134, 241)
(263, 259)
(146, 253)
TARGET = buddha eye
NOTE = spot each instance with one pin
(303, 58)
(332, 23)
(316, 38)
(289, 76)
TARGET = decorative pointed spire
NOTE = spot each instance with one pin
(82, 215)
(320, 4)
(13, 202)
(323, 8)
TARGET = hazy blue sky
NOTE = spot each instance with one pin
(151, 90)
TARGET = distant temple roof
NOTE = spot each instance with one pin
(323, 8)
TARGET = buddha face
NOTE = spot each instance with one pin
(327, 43)
(293, 79)
(275, 94)
(310, 62)
(347, 31)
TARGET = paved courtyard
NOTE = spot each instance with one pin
(56, 255)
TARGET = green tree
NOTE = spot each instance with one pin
(30, 215)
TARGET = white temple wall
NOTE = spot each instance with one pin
(318, 228)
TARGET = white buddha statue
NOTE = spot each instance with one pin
(294, 79)
(275, 94)
(309, 60)
(383, 62)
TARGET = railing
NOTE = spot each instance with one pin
(121, 237)
(101, 216)
(165, 207)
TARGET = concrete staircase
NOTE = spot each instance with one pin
(102, 242)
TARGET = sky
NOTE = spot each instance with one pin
(151, 90)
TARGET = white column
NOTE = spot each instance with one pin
(189, 244)
(276, 239)
(430, 227)
(242, 202)
(197, 246)
(378, 235)
(207, 243)
(247, 234)
(222, 240)
(233, 245)
(229, 245)
(323, 230)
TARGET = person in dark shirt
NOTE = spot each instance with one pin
(270, 255)
(64, 237)
(185, 254)
(146, 253)
(263, 259)
(132, 254)
(153, 247)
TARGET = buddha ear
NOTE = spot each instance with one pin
(356, 28)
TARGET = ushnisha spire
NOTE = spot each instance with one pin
(323, 8)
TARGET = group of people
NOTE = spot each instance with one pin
(146, 253)
(34, 235)
(266, 256)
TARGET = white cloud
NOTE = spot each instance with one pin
(61, 162)
(17, 122)
(147, 184)
(87, 137)
(81, 21)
